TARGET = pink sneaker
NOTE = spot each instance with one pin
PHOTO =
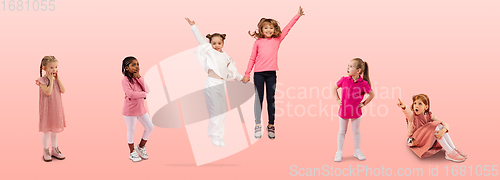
(461, 153)
(46, 155)
(57, 154)
(454, 156)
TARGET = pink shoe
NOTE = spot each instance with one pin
(454, 156)
(46, 155)
(57, 154)
(461, 153)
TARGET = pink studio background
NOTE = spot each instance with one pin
(446, 49)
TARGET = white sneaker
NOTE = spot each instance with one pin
(221, 143)
(338, 157)
(134, 156)
(215, 141)
(142, 152)
(359, 155)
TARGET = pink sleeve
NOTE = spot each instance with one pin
(341, 80)
(41, 80)
(408, 113)
(251, 62)
(129, 92)
(288, 27)
(143, 83)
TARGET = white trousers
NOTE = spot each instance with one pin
(355, 133)
(215, 98)
(146, 123)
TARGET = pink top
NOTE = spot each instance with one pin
(50, 108)
(352, 94)
(265, 51)
(134, 96)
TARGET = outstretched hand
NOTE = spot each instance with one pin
(400, 104)
(301, 11)
(189, 21)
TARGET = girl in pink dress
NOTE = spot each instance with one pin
(424, 129)
(136, 90)
(50, 107)
(265, 59)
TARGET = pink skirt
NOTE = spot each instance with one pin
(427, 144)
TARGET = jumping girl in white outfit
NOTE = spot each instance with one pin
(220, 68)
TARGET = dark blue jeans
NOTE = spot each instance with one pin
(269, 79)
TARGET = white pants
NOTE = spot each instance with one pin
(445, 142)
(146, 123)
(355, 133)
(215, 98)
(45, 139)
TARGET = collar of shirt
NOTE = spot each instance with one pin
(360, 79)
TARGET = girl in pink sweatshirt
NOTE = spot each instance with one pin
(136, 90)
(265, 59)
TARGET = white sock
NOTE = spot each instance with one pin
(53, 139)
(45, 140)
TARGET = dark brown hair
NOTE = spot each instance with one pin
(125, 63)
(210, 36)
(46, 60)
(363, 65)
(265, 21)
(424, 98)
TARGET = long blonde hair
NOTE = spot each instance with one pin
(46, 60)
(265, 21)
(363, 65)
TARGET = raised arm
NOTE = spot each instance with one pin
(289, 26)
(409, 116)
(201, 39)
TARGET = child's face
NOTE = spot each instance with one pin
(352, 70)
(419, 107)
(133, 67)
(217, 43)
(268, 30)
(51, 68)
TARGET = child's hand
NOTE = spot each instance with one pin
(56, 75)
(49, 75)
(245, 80)
(361, 105)
(401, 105)
(189, 21)
(137, 75)
(301, 11)
(339, 102)
(440, 134)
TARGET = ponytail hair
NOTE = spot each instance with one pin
(210, 36)
(46, 60)
(363, 65)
